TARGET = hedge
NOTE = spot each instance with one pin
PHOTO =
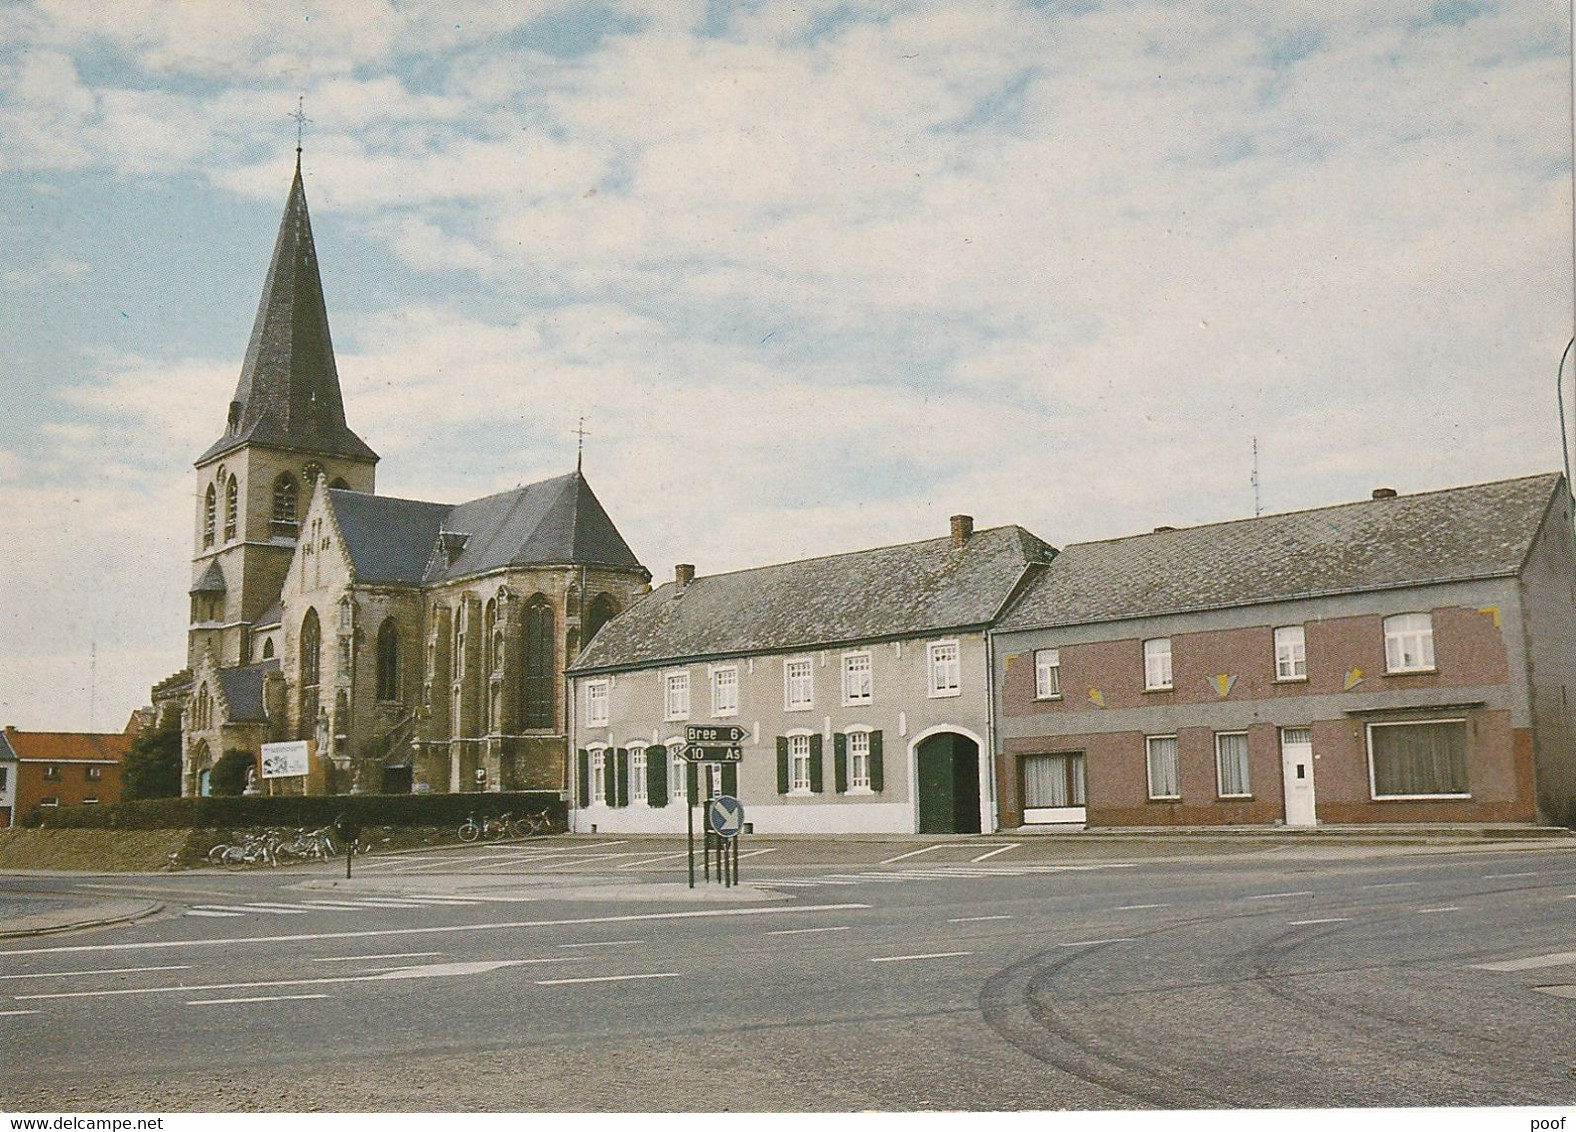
(312, 810)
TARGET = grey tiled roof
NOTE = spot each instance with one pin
(273, 615)
(1480, 531)
(389, 539)
(243, 690)
(890, 592)
(554, 522)
(212, 580)
(289, 388)
(7, 755)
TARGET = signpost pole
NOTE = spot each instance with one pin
(735, 841)
(689, 816)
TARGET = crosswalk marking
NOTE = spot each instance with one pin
(1531, 962)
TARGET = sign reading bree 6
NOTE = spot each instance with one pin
(726, 736)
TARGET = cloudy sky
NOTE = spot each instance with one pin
(817, 275)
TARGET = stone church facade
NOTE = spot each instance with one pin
(416, 645)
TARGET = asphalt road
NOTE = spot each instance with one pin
(580, 976)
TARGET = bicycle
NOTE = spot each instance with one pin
(532, 824)
(500, 827)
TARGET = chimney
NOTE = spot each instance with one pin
(962, 530)
(1384, 493)
(683, 575)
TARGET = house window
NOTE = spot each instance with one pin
(1291, 653)
(675, 695)
(1231, 765)
(637, 774)
(1163, 767)
(678, 770)
(859, 760)
(1157, 663)
(94, 773)
(1418, 760)
(90, 801)
(1047, 674)
(725, 691)
(596, 703)
(52, 800)
(598, 775)
(1053, 781)
(944, 680)
(5, 776)
(798, 680)
(857, 686)
(1409, 643)
(798, 764)
(51, 774)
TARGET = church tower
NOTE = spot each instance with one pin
(285, 429)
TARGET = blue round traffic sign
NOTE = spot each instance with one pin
(725, 815)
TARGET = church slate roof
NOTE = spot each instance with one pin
(891, 592)
(243, 690)
(1481, 531)
(212, 580)
(288, 395)
(551, 523)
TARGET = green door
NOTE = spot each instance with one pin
(949, 785)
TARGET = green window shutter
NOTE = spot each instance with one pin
(621, 757)
(840, 762)
(585, 778)
(730, 779)
(609, 778)
(815, 764)
(656, 776)
(875, 761)
(782, 764)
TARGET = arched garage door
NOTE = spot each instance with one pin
(949, 784)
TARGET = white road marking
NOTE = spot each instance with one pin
(630, 918)
(1093, 942)
(914, 853)
(1325, 920)
(1511, 876)
(931, 955)
(607, 979)
(808, 931)
(15, 1013)
(975, 919)
(1393, 884)
(1276, 895)
(332, 905)
(1531, 962)
(246, 910)
(589, 858)
(1447, 908)
(207, 912)
(654, 860)
(101, 971)
(604, 943)
(992, 853)
(264, 998)
(1139, 907)
(389, 955)
(756, 853)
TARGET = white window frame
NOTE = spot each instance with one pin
(796, 784)
(637, 773)
(805, 683)
(851, 678)
(598, 773)
(1048, 674)
(1157, 665)
(1247, 767)
(719, 707)
(1149, 768)
(678, 769)
(597, 694)
(1291, 654)
(1368, 739)
(858, 783)
(939, 668)
(675, 696)
(1402, 630)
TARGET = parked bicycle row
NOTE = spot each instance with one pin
(275, 847)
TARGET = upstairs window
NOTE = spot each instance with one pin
(94, 773)
(945, 679)
(857, 684)
(51, 774)
(675, 696)
(799, 684)
(1047, 674)
(1291, 653)
(725, 691)
(596, 703)
(1157, 664)
(1409, 643)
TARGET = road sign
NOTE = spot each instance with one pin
(699, 754)
(729, 736)
(725, 815)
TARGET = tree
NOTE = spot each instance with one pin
(228, 777)
(151, 768)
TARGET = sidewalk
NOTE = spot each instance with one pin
(72, 914)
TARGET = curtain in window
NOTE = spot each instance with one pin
(1231, 757)
(1419, 758)
(1053, 781)
(1163, 768)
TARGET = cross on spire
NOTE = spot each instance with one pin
(300, 120)
(580, 443)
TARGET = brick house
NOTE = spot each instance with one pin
(1401, 659)
(861, 680)
(60, 768)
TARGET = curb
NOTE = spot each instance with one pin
(148, 908)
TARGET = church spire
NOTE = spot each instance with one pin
(288, 395)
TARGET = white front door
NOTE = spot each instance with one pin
(1297, 772)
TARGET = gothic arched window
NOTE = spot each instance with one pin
(603, 610)
(388, 661)
(310, 648)
(209, 517)
(538, 700)
(285, 501)
(232, 498)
